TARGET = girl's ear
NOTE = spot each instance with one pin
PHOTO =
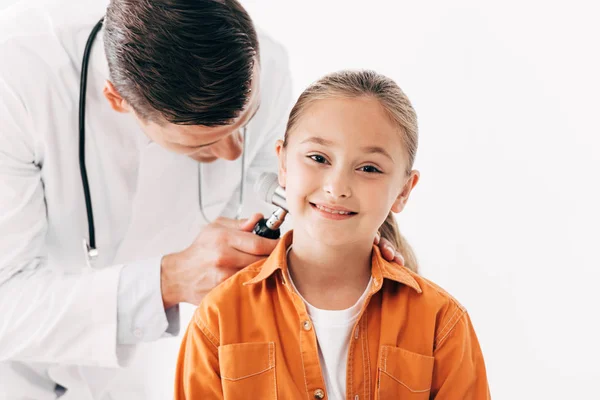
(281, 156)
(402, 198)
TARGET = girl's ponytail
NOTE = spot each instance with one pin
(389, 230)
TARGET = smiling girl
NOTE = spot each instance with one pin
(325, 316)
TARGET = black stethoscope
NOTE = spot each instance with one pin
(90, 246)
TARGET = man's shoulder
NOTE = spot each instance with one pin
(41, 40)
(270, 48)
(49, 19)
(272, 52)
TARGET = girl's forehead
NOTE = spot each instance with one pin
(350, 121)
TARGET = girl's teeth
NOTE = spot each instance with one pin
(332, 211)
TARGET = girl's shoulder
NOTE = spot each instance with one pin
(235, 298)
(234, 287)
(422, 293)
(423, 308)
(436, 292)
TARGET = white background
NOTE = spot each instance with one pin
(505, 216)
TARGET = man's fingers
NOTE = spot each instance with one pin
(398, 259)
(248, 224)
(228, 222)
(245, 224)
(235, 259)
(377, 238)
(252, 244)
(387, 250)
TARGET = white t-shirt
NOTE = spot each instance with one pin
(334, 329)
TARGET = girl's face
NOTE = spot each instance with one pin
(344, 170)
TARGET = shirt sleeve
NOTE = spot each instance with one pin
(141, 316)
(459, 368)
(197, 375)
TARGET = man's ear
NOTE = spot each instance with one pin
(115, 100)
(281, 162)
(402, 198)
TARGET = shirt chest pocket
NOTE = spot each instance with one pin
(403, 374)
(248, 369)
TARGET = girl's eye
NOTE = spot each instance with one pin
(370, 169)
(318, 158)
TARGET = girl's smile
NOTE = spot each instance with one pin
(332, 212)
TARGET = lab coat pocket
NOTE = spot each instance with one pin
(403, 374)
(248, 369)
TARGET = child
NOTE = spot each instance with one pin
(325, 316)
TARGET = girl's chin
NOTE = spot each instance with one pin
(334, 237)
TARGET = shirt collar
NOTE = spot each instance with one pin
(380, 268)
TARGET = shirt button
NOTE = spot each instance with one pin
(319, 394)
(138, 333)
(306, 325)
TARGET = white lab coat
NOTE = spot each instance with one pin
(58, 316)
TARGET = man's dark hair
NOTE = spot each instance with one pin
(189, 62)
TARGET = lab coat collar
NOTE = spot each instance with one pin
(98, 59)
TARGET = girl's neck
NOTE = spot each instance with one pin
(329, 277)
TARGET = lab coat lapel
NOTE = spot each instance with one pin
(163, 197)
(166, 202)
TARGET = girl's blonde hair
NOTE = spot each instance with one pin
(397, 107)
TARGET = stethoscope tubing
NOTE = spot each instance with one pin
(91, 245)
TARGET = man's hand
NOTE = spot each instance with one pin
(387, 250)
(220, 250)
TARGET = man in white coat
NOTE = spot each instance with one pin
(194, 86)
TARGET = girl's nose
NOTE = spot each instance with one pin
(337, 185)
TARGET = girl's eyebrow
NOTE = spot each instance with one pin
(377, 150)
(317, 140)
(367, 149)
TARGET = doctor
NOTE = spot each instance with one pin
(121, 180)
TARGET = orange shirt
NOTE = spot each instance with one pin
(252, 338)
